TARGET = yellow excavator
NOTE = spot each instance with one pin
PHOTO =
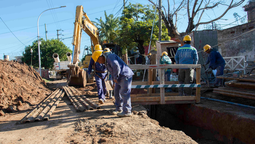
(77, 76)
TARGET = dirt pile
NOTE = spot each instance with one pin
(136, 129)
(20, 86)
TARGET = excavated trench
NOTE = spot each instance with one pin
(208, 122)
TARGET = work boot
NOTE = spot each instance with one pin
(115, 112)
(124, 115)
(101, 101)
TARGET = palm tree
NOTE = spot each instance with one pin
(108, 29)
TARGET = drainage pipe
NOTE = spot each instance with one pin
(237, 104)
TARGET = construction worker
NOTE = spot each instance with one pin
(165, 59)
(100, 75)
(215, 61)
(122, 77)
(148, 59)
(109, 76)
(186, 55)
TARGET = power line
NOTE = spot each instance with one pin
(234, 21)
(12, 32)
(120, 8)
(116, 5)
(52, 22)
(10, 48)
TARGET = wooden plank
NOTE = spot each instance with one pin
(139, 83)
(180, 98)
(166, 82)
(163, 66)
(198, 89)
(153, 82)
(162, 89)
(238, 89)
(167, 102)
(235, 91)
(153, 94)
(233, 95)
(153, 61)
(168, 98)
(238, 79)
(244, 84)
(230, 82)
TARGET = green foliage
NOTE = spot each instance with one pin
(108, 29)
(132, 29)
(136, 25)
(47, 48)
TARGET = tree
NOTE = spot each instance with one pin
(47, 48)
(136, 25)
(194, 11)
(108, 29)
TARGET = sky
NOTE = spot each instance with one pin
(18, 20)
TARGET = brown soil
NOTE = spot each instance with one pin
(20, 86)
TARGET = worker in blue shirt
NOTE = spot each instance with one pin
(122, 77)
(100, 75)
(186, 55)
(215, 61)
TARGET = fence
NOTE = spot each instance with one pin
(235, 63)
(162, 97)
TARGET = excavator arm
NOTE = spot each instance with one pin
(76, 75)
(82, 22)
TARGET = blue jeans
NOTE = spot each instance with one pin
(220, 71)
(122, 91)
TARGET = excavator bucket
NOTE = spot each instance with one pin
(77, 80)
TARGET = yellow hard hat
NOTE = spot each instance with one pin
(149, 54)
(187, 38)
(164, 53)
(207, 47)
(96, 55)
(98, 47)
(106, 50)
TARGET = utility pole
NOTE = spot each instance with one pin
(124, 3)
(159, 25)
(45, 31)
(58, 33)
